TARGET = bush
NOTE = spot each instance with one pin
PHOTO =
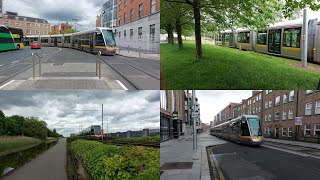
(118, 162)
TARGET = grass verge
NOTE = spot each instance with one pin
(228, 68)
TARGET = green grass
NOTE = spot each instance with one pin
(10, 144)
(228, 68)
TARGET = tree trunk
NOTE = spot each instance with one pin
(197, 27)
(178, 28)
(170, 34)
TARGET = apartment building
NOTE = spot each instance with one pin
(29, 25)
(61, 28)
(172, 112)
(138, 25)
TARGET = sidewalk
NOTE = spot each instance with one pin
(124, 52)
(188, 164)
(295, 143)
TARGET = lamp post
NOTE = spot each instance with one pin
(304, 55)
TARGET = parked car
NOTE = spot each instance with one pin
(35, 45)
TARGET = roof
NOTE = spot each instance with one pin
(22, 18)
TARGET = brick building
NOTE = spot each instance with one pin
(98, 21)
(279, 109)
(226, 114)
(172, 112)
(138, 25)
(29, 25)
(60, 28)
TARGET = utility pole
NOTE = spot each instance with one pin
(304, 56)
(112, 15)
(102, 121)
(194, 120)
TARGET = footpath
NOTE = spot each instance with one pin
(50, 165)
(294, 143)
(180, 162)
(125, 52)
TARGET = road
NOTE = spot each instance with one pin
(65, 68)
(50, 165)
(266, 162)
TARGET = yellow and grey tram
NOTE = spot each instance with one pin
(245, 130)
(99, 39)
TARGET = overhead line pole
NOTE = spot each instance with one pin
(304, 55)
(102, 122)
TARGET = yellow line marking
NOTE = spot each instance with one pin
(216, 166)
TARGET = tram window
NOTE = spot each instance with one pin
(292, 38)
(262, 38)
(244, 37)
(67, 39)
(99, 40)
(244, 129)
(254, 125)
(109, 38)
(44, 40)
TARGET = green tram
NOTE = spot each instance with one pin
(6, 39)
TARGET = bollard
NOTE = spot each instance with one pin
(39, 67)
(139, 51)
(99, 60)
(119, 50)
(33, 65)
(128, 48)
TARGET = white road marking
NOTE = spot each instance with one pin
(14, 62)
(122, 85)
(6, 84)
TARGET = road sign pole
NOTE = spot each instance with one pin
(305, 37)
(102, 120)
(194, 120)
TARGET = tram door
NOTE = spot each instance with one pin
(274, 41)
(91, 42)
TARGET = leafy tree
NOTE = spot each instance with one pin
(166, 22)
(2, 114)
(291, 6)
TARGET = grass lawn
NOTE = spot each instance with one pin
(11, 144)
(228, 68)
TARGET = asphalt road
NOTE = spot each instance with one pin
(245, 162)
(50, 165)
(121, 72)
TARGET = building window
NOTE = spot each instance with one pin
(131, 15)
(131, 33)
(119, 21)
(18, 23)
(260, 96)
(284, 131)
(124, 34)
(317, 130)
(120, 3)
(140, 11)
(259, 108)
(45, 26)
(6, 23)
(276, 116)
(28, 31)
(277, 101)
(125, 3)
(265, 117)
(284, 115)
(163, 100)
(290, 132)
(317, 110)
(37, 31)
(17, 18)
(290, 114)
(269, 130)
(269, 119)
(125, 18)
(25, 19)
(270, 103)
(119, 34)
(152, 31)
(266, 105)
(307, 129)
(45, 32)
(28, 24)
(140, 33)
(153, 6)
(37, 25)
(265, 130)
(285, 98)
(308, 108)
(291, 95)
(309, 91)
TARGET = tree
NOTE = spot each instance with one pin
(291, 6)
(179, 16)
(166, 23)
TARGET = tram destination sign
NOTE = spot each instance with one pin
(298, 121)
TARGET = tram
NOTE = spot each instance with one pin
(245, 130)
(93, 41)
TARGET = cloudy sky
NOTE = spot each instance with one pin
(67, 110)
(56, 11)
(212, 102)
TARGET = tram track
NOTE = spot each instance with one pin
(123, 75)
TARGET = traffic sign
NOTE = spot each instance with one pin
(194, 114)
(298, 121)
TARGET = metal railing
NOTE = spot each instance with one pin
(34, 55)
(98, 65)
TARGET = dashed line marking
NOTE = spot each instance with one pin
(7, 84)
(122, 85)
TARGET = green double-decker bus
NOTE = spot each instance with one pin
(6, 39)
